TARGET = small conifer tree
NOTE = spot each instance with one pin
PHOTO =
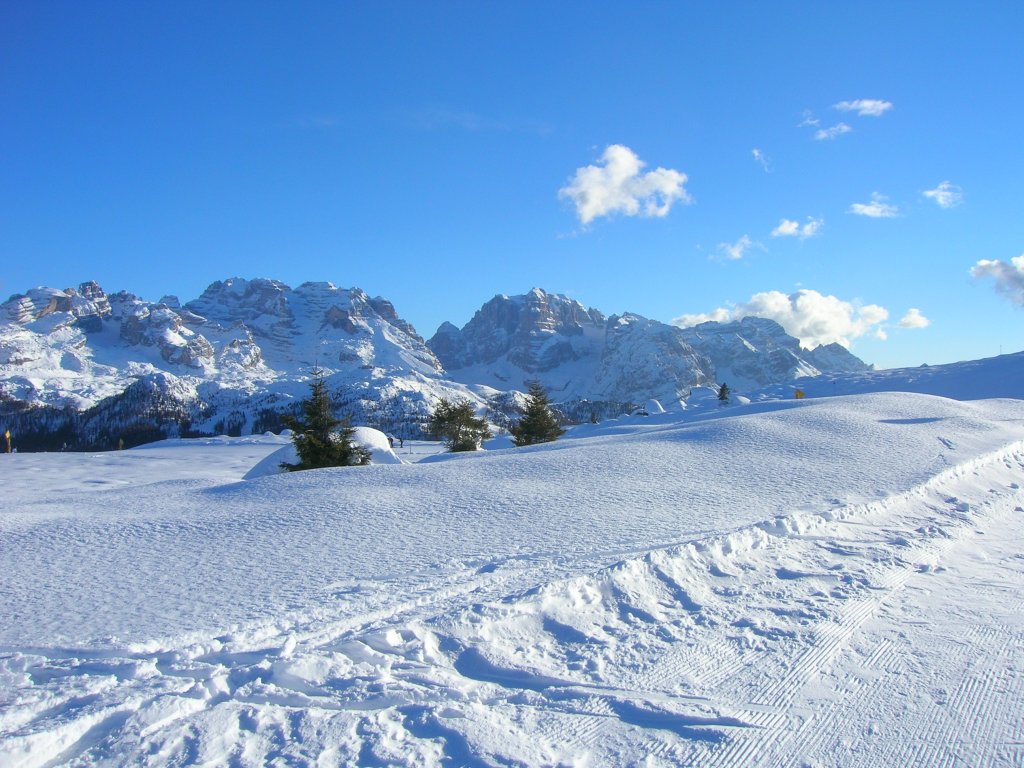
(320, 439)
(538, 424)
(457, 424)
(723, 393)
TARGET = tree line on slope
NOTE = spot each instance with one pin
(457, 424)
(323, 440)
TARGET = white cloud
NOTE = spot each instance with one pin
(808, 315)
(787, 228)
(618, 186)
(790, 228)
(946, 195)
(717, 315)
(878, 208)
(831, 132)
(736, 251)
(865, 107)
(762, 159)
(914, 319)
(811, 228)
(1009, 277)
(809, 120)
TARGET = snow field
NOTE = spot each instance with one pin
(733, 589)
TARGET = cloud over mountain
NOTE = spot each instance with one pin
(812, 317)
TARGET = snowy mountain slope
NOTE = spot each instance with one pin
(78, 346)
(579, 353)
(991, 377)
(729, 587)
(315, 323)
(575, 352)
(244, 350)
(755, 352)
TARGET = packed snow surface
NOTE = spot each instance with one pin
(830, 581)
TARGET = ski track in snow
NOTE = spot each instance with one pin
(867, 615)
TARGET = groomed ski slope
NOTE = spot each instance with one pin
(822, 582)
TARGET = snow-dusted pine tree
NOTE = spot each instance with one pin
(321, 439)
(456, 423)
(538, 424)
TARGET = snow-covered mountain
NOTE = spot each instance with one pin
(230, 361)
(94, 368)
(577, 352)
(77, 346)
(755, 352)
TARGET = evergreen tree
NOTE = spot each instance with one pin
(457, 424)
(538, 424)
(320, 439)
(723, 393)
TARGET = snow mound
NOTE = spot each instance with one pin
(374, 440)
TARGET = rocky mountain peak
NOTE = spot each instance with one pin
(756, 351)
(535, 331)
(574, 350)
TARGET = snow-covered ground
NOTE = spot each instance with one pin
(830, 581)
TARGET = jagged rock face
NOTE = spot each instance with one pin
(157, 325)
(535, 332)
(645, 356)
(77, 347)
(574, 351)
(386, 310)
(835, 358)
(313, 324)
(92, 292)
(30, 321)
(447, 344)
(756, 352)
(63, 308)
(243, 352)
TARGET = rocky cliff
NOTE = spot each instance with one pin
(575, 352)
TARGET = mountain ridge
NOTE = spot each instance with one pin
(236, 357)
(579, 352)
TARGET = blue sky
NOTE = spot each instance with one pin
(438, 154)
